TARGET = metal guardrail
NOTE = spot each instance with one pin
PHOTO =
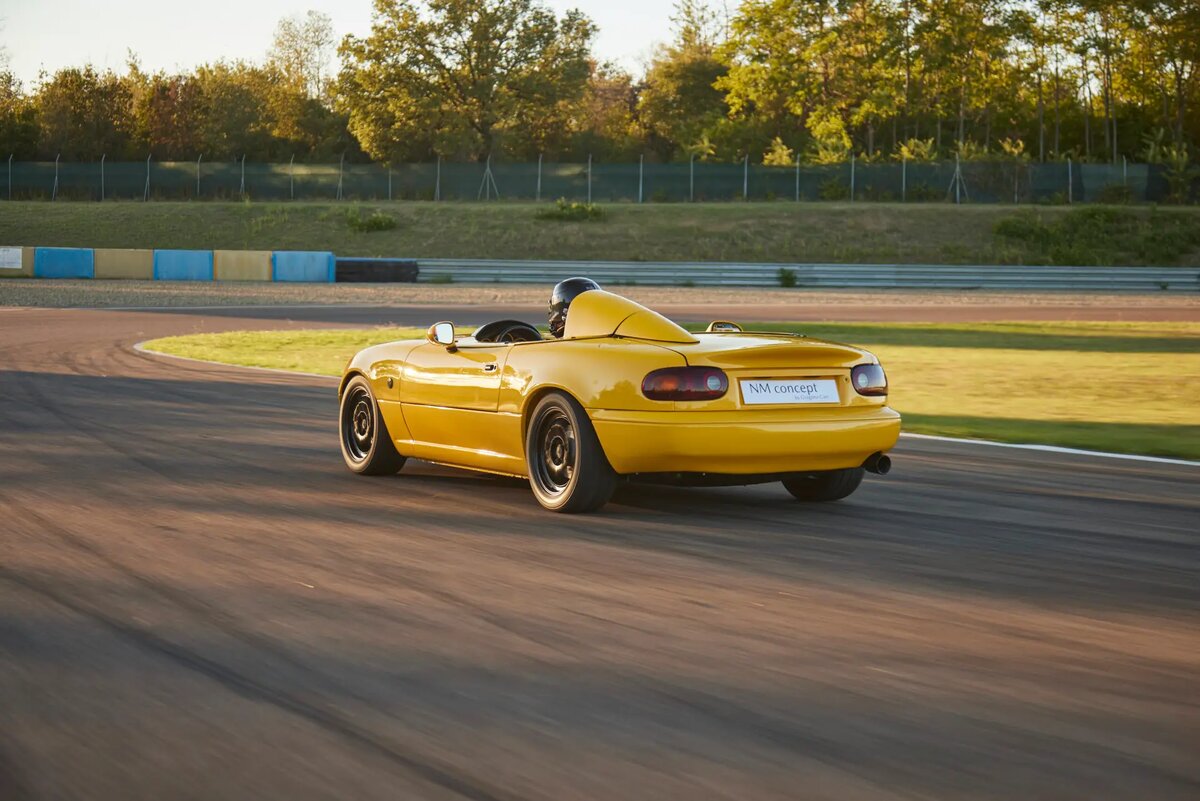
(840, 276)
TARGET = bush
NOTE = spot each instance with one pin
(1100, 235)
(1115, 194)
(376, 221)
(787, 278)
(568, 211)
(1024, 227)
(834, 189)
(921, 192)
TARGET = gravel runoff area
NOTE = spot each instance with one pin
(158, 294)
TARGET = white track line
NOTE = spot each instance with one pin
(1056, 449)
(1019, 446)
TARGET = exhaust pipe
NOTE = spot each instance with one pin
(878, 463)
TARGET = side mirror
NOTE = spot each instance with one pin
(441, 334)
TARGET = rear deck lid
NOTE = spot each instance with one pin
(767, 352)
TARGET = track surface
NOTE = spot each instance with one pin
(198, 601)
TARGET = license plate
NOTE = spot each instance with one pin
(758, 391)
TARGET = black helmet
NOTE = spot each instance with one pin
(565, 292)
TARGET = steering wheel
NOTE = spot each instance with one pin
(508, 331)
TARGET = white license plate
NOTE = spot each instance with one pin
(757, 391)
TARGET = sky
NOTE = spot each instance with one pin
(171, 35)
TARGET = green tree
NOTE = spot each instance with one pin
(458, 77)
(84, 114)
(679, 99)
(606, 124)
(236, 119)
(18, 120)
(168, 114)
(775, 75)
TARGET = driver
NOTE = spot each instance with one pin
(560, 300)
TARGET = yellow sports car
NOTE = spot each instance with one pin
(622, 393)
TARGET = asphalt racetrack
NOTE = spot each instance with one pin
(198, 601)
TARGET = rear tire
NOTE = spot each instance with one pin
(568, 471)
(827, 485)
(367, 447)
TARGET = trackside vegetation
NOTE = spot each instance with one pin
(780, 232)
(770, 83)
(1125, 387)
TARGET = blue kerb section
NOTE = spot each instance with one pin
(300, 265)
(183, 265)
(64, 263)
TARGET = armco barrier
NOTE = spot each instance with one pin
(242, 265)
(124, 263)
(830, 276)
(299, 265)
(63, 263)
(183, 265)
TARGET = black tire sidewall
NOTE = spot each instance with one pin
(827, 486)
(592, 479)
(382, 457)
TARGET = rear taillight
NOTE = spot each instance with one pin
(868, 379)
(685, 384)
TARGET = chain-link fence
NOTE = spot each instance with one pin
(968, 182)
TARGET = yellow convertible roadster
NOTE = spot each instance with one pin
(624, 394)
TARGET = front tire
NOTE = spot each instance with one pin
(367, 447)
(568, 470)
(827, 485)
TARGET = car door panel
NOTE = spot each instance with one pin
(449, 398)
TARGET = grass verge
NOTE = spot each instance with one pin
(1126, 387)
(737, 232)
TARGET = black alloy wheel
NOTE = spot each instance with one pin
(367, 448)
(568, 471)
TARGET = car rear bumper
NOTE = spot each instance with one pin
(742, 442)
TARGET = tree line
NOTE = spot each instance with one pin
(774, 81)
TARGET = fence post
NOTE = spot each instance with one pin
(242, 188)
(851, 176)
(1070, 183)
(292, 177)
(589, 179)
(957, 181)
(692, 179)
(437, 180)
(746, 177)
(538, 192)
(103, 156)
(198, 175)
(54, 191)
(146, 191)
(10, 157)
(1125, 171)
(904, 179)
(389, 181)
(641, 168)
(341, 169)
(797, 177)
